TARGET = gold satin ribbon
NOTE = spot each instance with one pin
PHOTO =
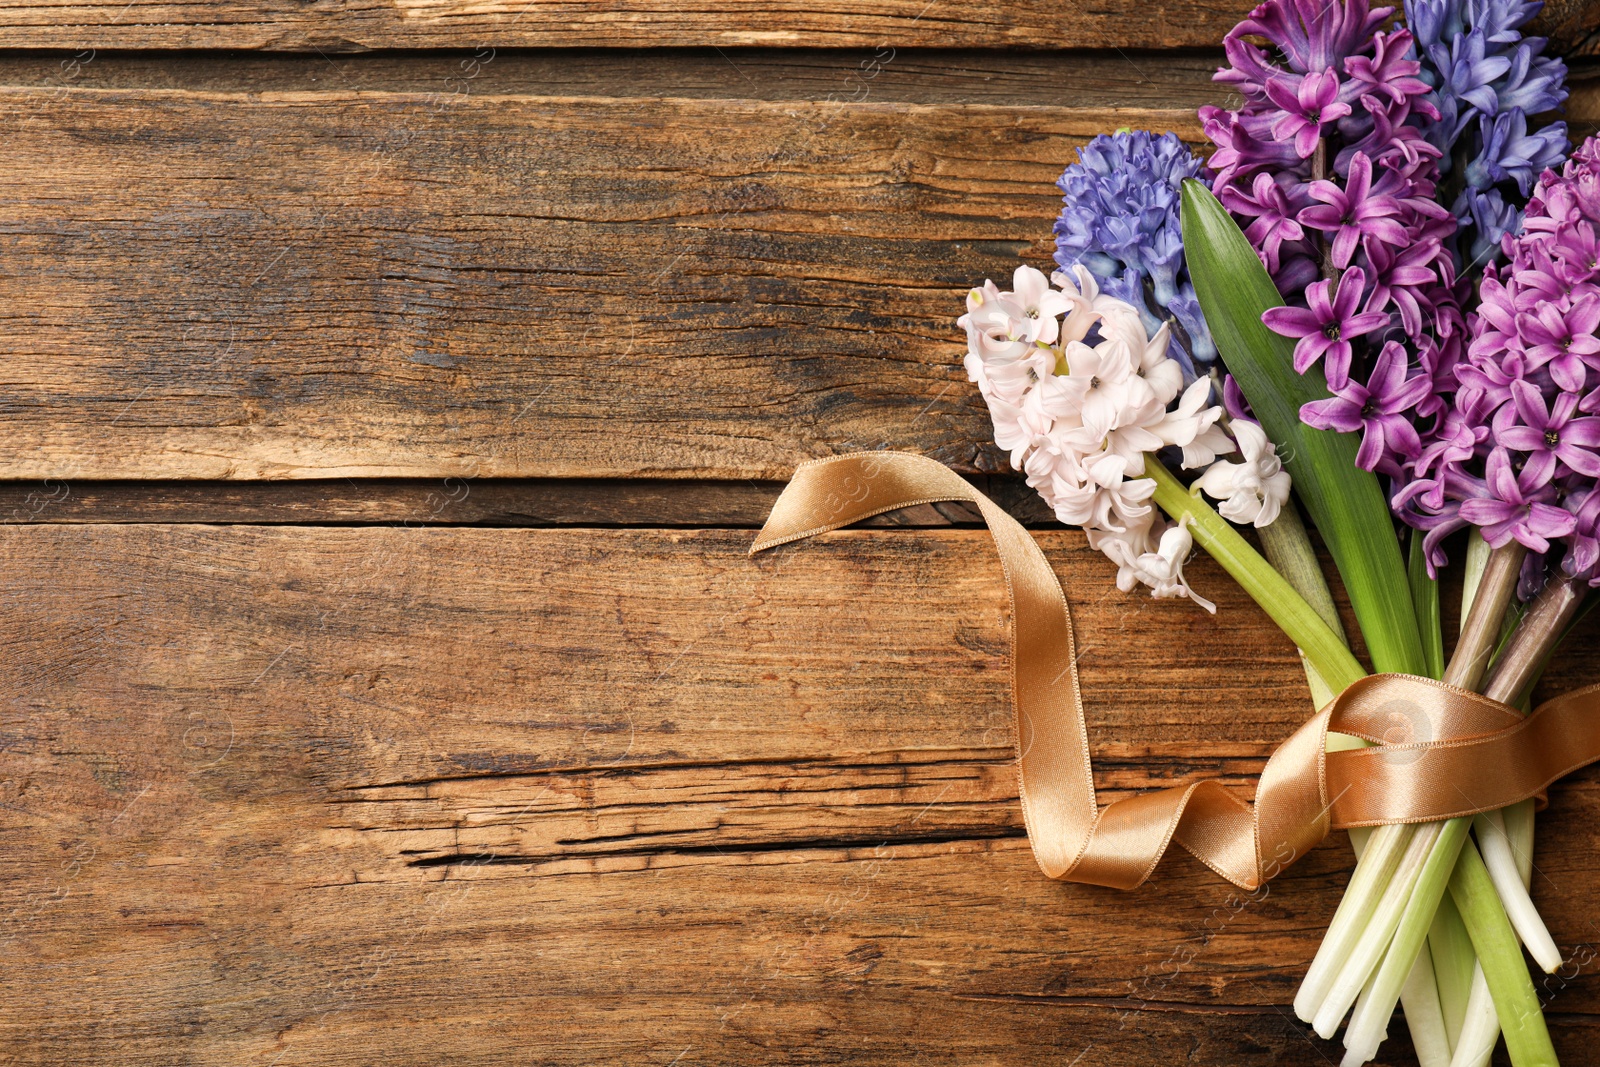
(1474, 754)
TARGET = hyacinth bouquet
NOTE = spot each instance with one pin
(1375, 299)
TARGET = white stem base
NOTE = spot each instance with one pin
(1374, 940)
(1506, 874)
(1379, 856)
(1480, 1031)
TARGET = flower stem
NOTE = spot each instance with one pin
(1479, 635)
(1324, 648)
(1453, 964)
(1295, 564)
(1517, 668)
(1480, 632)
(1319, 172)
(1519, 830)
(1371, 1019)
(1544, 624)
(1501, 862)
(1515, 1001)
(1287, 544)
(1372, 876)
(1472, 572)
(1487, 922)
(1425, 595)
(1425, 1012)
(1288, 548)
(1480, 1029)
(1494, 939)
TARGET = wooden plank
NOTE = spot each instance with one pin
(354, 26)
(329, 795)
(1126, 78)
(315, 285)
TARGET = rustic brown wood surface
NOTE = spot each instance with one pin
(461, 502)
(384, 677)
(1126, 77)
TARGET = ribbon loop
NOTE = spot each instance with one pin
(1440, 751)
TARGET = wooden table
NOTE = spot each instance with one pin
(385, 678)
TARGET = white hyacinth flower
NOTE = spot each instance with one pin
(1255, 490)
(1141, 560)
(1039, 306)
(1162, 570)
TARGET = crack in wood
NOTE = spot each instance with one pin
(728, 849)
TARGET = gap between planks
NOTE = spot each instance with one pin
(533, 502)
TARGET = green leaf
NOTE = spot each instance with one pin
(1425, 598)
(1344, 501)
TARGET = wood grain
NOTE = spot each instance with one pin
(354, 25)
(419, 793)
(310, 285)
(338, 796)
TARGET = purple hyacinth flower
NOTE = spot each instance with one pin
(1434, 21)
(1563, 340)
(1325, 328)
(1244, 143)
(1488, 218)
(1511, 153)
(1500, 19)
(1378, 409)
(1353, 212)
(1120, 219)
(1469, 74)
(1389, 72)
(1307, 103)
(1487, 79)
(1233, 399)
(1314, 34)
(1402, 276)
(1455, 442)
(1576, 258)
(1274, 217)
(1373, 212)
(1534, 84)
(1550, 435)
(1486, 386)
(1583, 546)
(1515, 508)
